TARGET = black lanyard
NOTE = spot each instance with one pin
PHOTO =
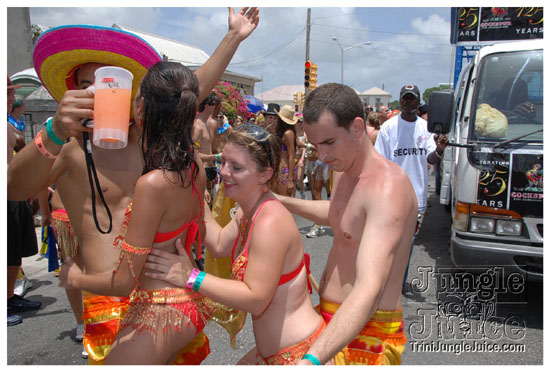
(90, 167)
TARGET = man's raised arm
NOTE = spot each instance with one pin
(241, 26)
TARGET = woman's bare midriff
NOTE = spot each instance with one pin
(289, 319)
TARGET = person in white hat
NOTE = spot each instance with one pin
(65, 59)
(287, 132)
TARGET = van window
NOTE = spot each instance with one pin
(509, 97)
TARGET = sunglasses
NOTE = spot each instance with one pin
(259, 134)
(220, 116)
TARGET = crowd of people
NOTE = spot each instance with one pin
(134, 272)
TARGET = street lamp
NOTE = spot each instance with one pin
(348, 48)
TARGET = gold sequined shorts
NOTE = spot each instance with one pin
(153, 309)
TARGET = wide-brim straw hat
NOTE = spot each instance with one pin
(60, 51)
(288, 115)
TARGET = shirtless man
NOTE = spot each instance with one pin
(204, 128)
(222, 130)
(372, 212)
(204, 137)
(118, 170)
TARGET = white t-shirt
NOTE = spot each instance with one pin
(408, 144)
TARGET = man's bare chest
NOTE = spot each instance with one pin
(346, 215)
(117, 172)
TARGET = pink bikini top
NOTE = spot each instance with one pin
(238, 268)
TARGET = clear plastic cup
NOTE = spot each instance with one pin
(113, 92)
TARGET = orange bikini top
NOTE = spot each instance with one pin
(192, 226)
(240, 263)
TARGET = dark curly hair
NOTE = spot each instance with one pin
(170, 98)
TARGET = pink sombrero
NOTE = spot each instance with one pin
(59, 51)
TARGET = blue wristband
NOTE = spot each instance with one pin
(312, 358)
(58, 141)
(198, 281)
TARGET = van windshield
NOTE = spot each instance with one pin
(509, 97)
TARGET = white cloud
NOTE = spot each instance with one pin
(144, 19)
(416, 51)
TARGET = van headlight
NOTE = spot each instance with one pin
(508, 227)
(482, 225)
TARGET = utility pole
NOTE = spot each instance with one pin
(308, 29)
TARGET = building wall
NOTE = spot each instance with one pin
(375, 101)
(19, 40)
(244, 85)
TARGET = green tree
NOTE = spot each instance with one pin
(36, 31)
(427, 92)
(394, 105)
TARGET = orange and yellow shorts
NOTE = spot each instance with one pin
(381, 342)
(102, 317)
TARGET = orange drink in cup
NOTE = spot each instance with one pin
(113, 91)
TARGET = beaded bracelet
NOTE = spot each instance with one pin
(58, 141)
(312, 358)
(198, 281)
(192, 278)
(41, 148)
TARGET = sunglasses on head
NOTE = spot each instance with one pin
(259, 134)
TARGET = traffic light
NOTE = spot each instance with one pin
(307, 76)
(313, 76)
(296, 100)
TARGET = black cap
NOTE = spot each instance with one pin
(272, 109)
(412, 89)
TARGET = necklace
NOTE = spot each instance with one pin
(243, 227)
(244, 224)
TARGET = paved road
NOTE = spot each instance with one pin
(46, 336)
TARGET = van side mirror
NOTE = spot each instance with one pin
(440, 111)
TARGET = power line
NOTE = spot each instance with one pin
(278, 48)
(379, 32)
(397, 51)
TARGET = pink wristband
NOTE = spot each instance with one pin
(191, 280)
(42, 149)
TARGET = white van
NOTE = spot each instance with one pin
(492, 175)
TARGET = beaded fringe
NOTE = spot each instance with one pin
(64, 234)
(172, 308)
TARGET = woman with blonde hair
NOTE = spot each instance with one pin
(373, 126)
(269, 270)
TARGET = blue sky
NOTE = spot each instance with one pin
(409, 45)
